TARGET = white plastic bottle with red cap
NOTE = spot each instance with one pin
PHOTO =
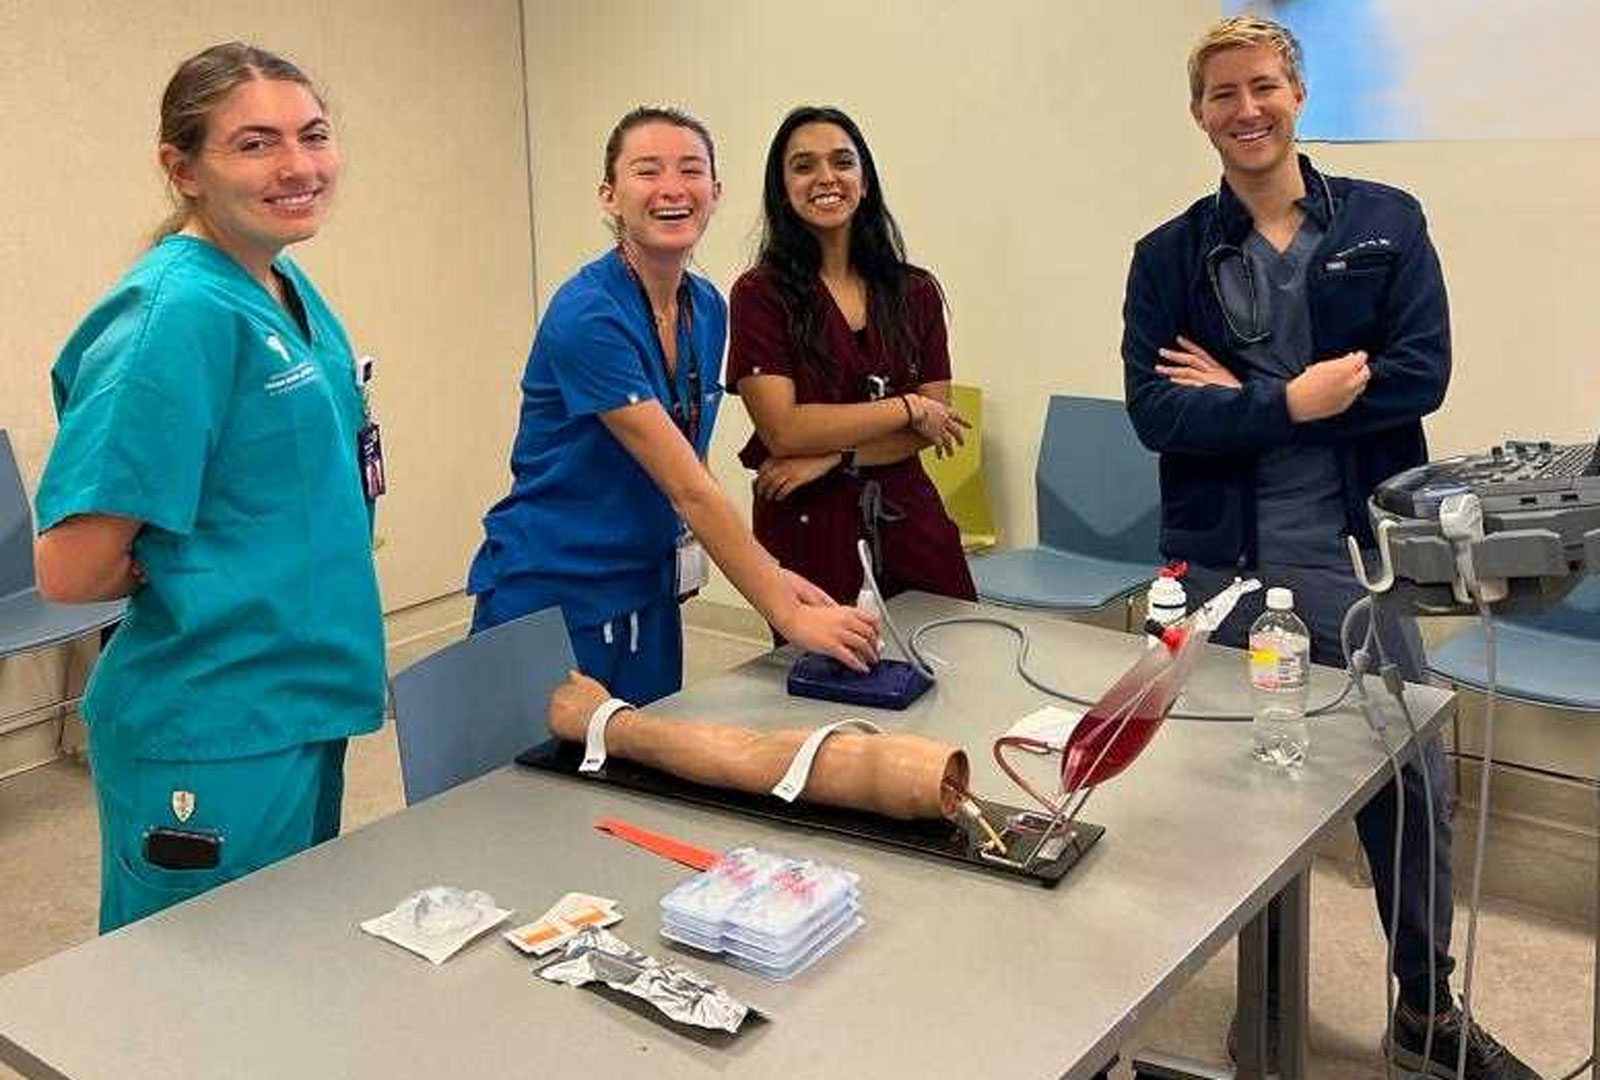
(1166, 603)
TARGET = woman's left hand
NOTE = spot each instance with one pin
(778, 478)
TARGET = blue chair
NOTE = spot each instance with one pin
(1099, 513)
(27, 620)
(475, 705)
(1549, 658)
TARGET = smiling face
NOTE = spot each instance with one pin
(1248, 106)
(822, 176)
(265, 174)
(663, 193)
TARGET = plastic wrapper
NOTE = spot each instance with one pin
(437, 922)
(676, 992)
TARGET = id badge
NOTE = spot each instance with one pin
(694, 569)
(369, 456)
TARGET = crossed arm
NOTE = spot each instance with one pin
(88, 557)
(806, 441)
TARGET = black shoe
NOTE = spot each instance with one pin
(1271, 1064)
(1486, 1058)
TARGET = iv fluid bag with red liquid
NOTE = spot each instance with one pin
(1121, 724)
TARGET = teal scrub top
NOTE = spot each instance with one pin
(192, 401)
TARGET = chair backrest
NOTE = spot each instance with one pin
(1575, 615)
(475, 705)
(1097, 487)
(959, 477)
(16, 525)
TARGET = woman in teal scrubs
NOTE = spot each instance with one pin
(206, 467)
(608, 476)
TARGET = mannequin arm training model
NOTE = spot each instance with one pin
(897, 775)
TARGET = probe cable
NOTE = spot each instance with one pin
(1359, 659)
(1490, 696)
(913, 649)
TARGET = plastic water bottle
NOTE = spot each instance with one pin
(1165, 603)
(1280, 670)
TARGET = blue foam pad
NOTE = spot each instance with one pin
(889, 684)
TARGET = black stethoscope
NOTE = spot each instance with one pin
(1217, 256)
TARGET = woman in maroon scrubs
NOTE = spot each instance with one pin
(837, 348)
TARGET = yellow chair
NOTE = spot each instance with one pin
(959, 478)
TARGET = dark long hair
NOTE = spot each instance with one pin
(877, 252)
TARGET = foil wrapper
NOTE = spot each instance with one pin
(600, 956)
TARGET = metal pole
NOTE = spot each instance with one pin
(1294, 964)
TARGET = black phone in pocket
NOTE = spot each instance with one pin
(182, 849)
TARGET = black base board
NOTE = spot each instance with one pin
(929, 839)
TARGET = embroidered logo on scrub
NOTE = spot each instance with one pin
(297, 375)
(275, 343)
(182, 805)
(1357, 253)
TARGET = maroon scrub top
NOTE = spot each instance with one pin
(814, 530)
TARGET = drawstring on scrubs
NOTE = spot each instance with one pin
(610, 637)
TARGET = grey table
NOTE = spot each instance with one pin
(955, 974)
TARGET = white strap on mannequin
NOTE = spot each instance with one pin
(794, 781)
(595, 745)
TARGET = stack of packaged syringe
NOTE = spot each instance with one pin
(768, 914)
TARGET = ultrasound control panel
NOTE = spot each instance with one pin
(1515, 476)
(1541, 523)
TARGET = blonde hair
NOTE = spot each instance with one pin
(1245, 32)
(198, 86)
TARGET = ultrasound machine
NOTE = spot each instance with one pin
(1510, 530)
(1523, 518)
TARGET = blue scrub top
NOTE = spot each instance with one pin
(190, 400)
(584, 526)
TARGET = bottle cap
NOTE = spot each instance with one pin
(1167, 592)
(1280, 599)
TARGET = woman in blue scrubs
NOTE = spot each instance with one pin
(206, 468)
(610, 496)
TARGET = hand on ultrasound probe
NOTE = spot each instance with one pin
(818, 623)
(804, 591)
